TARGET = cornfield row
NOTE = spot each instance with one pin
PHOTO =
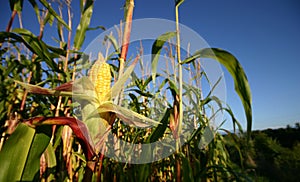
(66, 122)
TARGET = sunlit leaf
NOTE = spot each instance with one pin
(52, 12)
(20, 155)
(117, 87)
(159, 131)
(45, 91)
(36, 8)
(178, 2)
(16, 5)
(237, 72)
(83, 24)
(32, 43)
(37, 46)
(39, 144)
(78, 127)
(96, 28)
(51, 161)
(156, 49)
(17, 145)
(113, 41)
(126, 115)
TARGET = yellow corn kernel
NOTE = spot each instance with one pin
(101, 78)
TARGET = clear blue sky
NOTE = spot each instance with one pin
(263, 34)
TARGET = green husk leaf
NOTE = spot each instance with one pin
(126, 115)
(117, 87)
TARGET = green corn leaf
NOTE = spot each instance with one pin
(178, 2)
(79, 128)
(83, 24)
(234, 120)
(5, 36)
(49, 19)
(237, 72)
(57, 51)
(45, 91)
(16, 5)
(96, 28)
(53, 13)
(36, 9)
(37, 46)
(159, 131)
(20, 155)
(51, 161)
(114, 42)
(156, 49)
(187, 171)
(145, 94)
(17, 145)
(128, 116)
(117, 87)
(39, 144)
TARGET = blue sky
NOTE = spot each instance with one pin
(263, 34)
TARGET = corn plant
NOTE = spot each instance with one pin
(61, 125)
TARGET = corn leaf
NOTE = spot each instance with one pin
(178, 2)
(78, 127)
(17, 145)
(126, 115)
(16, 5)
(20, 155)
(39, 144)
(159, 131)
(36, 9)
(83, 24)
(117, 87)
(96, 28)
(53, 13)
(187, 169)
(114, 42)
(156, 49)
(38, 47)
(234, 120)
(51, 161)
(33, 44)
(34, 89)
(233, 66)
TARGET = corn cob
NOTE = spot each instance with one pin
(101, 78)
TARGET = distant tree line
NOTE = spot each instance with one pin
(274, 154)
